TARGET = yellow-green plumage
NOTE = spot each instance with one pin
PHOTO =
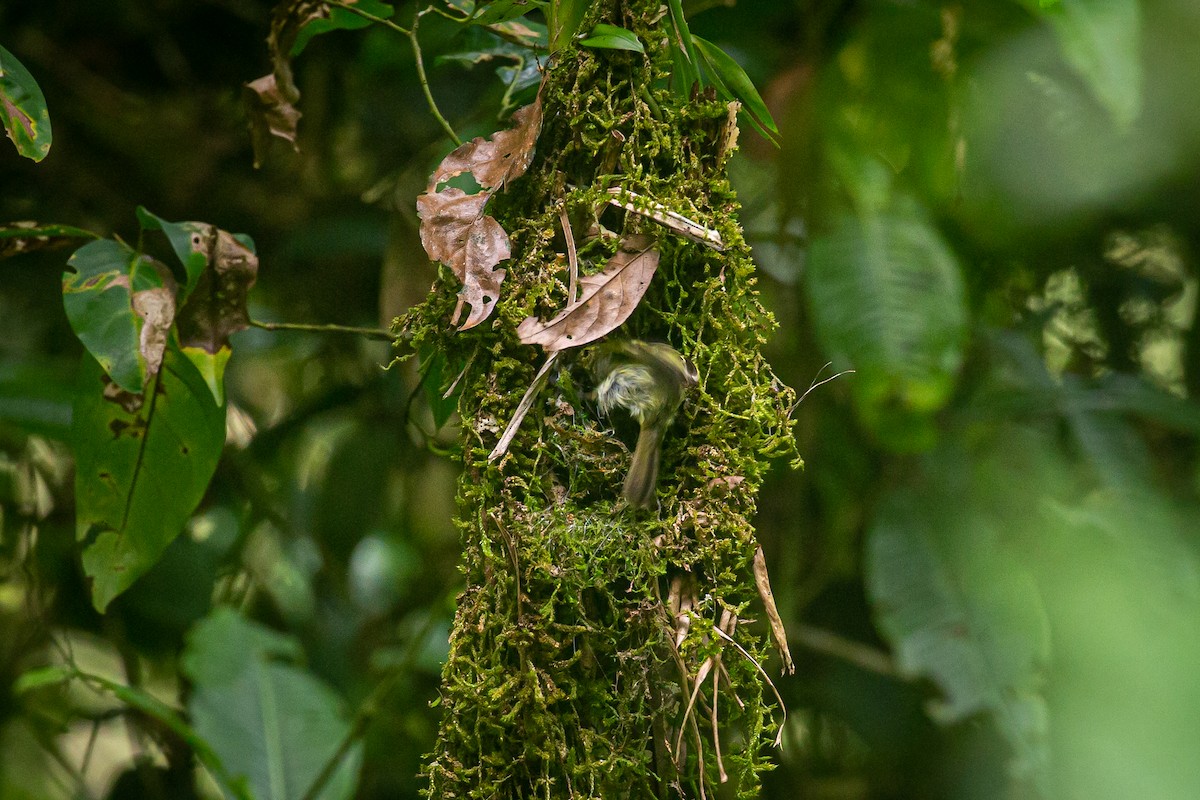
(648, 380)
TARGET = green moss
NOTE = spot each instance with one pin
(564, 677)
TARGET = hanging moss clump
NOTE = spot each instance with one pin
(600, 650)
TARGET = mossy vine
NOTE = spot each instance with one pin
(585, 624)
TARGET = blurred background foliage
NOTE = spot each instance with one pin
(986, 208)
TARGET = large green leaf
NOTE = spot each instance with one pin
(962, 612)
(143, 462)
(735, 84)
(121, 305)
(23, 109)
(274, 725)
(1101, 40)
(610, 37)
(888, 301)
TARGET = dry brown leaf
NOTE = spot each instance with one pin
(271, 100)
(156, 307)
(270, 115)
(216, 307)
(454, 232)
(496, 161)
(778, 633)
(608, 298)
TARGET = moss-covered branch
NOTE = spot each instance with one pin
(586, 625)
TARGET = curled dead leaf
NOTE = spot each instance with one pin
(608, 298)
(496, 161)
(778, 633)
(270, 115)
(271, 100)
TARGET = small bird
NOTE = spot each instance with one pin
(648, 380)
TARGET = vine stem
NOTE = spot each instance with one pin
(411, 33)
(367, 711)
(370, 333)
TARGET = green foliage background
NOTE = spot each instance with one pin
(989, 565)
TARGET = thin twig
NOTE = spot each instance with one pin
(523, 408)
(424, 81)
(366, 711)
(860, 655)
(411, 33)
(572, 259)
(370, 333)
(816, 383)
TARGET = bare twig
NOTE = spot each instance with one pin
(817, 383)
(860, 655)
(523, 408)
(572, 259)
(370, 333)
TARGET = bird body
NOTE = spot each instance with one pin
(648, 380)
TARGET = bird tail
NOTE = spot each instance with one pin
(642, 480)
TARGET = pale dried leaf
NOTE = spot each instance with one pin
(270, 115)
(608, 298)
(763, 581)
(454, 233)
(156, 307)
(496, 161)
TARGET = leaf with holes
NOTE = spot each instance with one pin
(143, 462)
(23, 109)
(608, 298)
(121, 305)
(454, 233)
(496, 161)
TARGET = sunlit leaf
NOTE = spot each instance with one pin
(121, 306)
(610, 37)
(735, 84)
(273, 725)
(23, 109)
(143, 462)
(42, 676)
(607, 299)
